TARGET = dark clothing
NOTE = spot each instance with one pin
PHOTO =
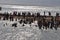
(39, 24)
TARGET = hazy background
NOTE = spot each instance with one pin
(33, 2)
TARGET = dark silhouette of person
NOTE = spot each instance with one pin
(40, 24)
(52, 23)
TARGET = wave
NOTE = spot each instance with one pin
(10, 8)
(13, 7)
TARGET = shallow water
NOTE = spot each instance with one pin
(27, 33)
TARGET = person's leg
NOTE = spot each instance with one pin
(55, 27)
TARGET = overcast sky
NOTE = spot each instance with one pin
(33, 2)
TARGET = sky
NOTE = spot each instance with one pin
(33, 2)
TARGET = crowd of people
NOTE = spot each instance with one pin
(42, 21)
